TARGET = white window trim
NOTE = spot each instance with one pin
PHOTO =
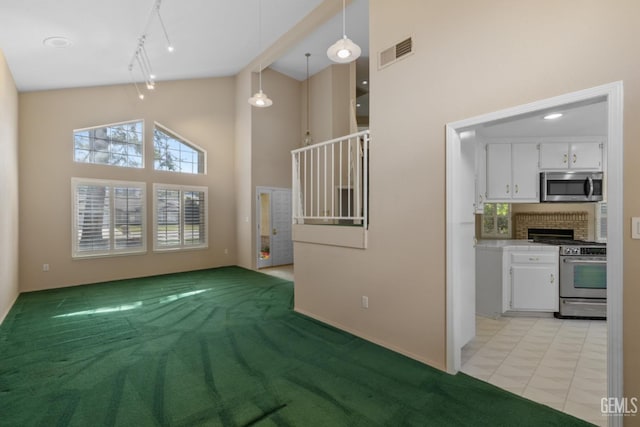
(73, 151)
(75, 253)
(182, 246)
(186, 141)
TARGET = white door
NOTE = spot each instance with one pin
(273, 229)
(281, 243)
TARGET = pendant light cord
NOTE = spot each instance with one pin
(344, 19)
(308, 118)
(260, 43)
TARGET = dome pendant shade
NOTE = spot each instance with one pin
(260, 99)
(344, 51)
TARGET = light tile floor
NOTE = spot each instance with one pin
(281, 271)
(561, 363)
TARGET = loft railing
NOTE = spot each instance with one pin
(331, 181)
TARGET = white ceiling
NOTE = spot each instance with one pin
(580, 119)
(212, 38)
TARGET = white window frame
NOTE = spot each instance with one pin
(494, 233)
(157, 247)
(142, 143)
(183, 140)
(76, 253)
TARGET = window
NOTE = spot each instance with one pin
(119, 144)
(108, 217)
(180, 217)
(496, 220)
(173, 153)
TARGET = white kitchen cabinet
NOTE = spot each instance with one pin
(534, 281)
(512, 172)
(515, 276)
(571, 155)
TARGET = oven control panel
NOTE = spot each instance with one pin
(582, 250)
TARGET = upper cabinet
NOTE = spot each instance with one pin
(509, 171)
(571, 155)
(512, 172)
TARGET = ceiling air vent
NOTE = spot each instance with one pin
(395, 52)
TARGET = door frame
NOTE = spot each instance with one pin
(258, 240)
(258, 247)
(458, 205)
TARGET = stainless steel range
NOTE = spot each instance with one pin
(583, 274)
(583, 279)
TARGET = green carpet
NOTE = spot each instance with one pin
(221, 347)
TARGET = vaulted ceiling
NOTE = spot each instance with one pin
(212, 38)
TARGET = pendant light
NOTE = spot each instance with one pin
(344, 50)
(307, 136)
(260, 99)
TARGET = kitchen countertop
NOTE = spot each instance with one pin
(516, 244)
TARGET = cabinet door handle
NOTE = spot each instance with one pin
(516, 188)
(507, 188)
(534, 259)
(275, 231)
(575, 158)
(553, 279)
(565, 158)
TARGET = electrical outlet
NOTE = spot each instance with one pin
(45, 267)
(365, 302)
(226, 251)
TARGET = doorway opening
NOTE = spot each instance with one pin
(460, 189)
(274, 245)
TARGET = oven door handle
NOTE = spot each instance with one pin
(582, 302)
(584, 261)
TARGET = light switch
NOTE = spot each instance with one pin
(635, 227)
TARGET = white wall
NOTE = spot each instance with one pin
(8, 189)
(471, 58)
(46, 124)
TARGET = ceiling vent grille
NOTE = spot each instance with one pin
(395, 52)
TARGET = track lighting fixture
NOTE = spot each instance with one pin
(170, 47)
(344, 50)
(260, 99)
(141, 57)
(140, 94)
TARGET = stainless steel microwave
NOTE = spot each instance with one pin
(571, 186)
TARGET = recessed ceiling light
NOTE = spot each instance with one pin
(364, 82)
(552, 116)
(467, 134)
(358, 105)
(57, 42)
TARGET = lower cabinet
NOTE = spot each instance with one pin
(533, 281)
(515, 276)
